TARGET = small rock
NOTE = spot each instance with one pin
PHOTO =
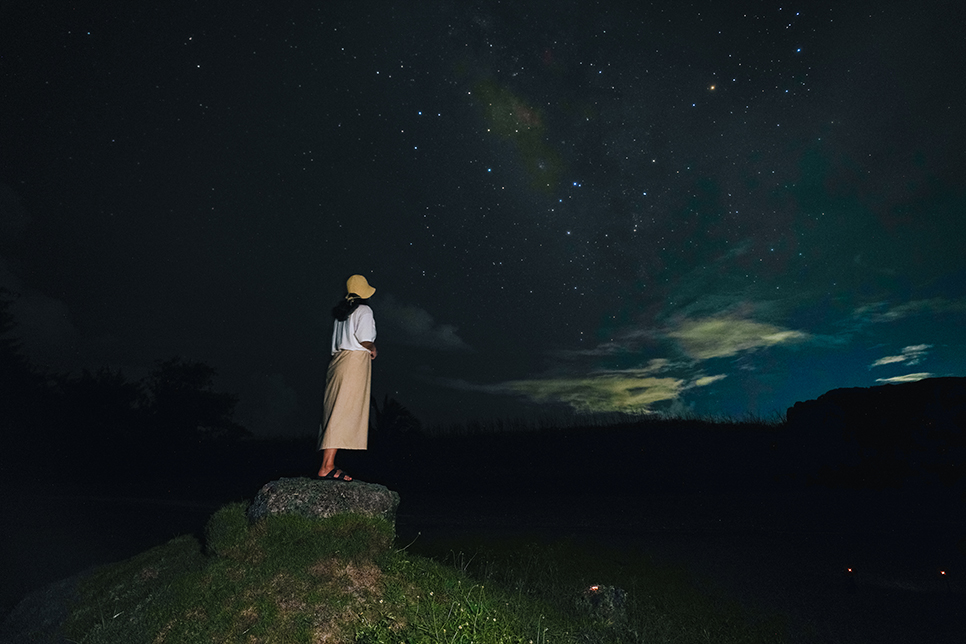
(322, 499)
(606, 603)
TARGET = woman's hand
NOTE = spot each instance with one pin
(371, 346)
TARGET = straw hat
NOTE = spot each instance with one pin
(357, 284)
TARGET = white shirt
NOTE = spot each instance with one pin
(349, 334)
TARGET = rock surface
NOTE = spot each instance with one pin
(932, 401)
(40, 616)
(322, 499)
(882, 436)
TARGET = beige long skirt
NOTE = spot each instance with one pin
(345, 408)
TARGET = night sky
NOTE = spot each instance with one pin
(717, 208)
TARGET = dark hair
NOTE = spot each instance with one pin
(345, 307)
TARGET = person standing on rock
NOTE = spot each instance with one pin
(345, 409)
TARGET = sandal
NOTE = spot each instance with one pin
(335, 475)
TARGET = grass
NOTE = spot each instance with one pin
(596, 421)
(288, 579)
(613, 595)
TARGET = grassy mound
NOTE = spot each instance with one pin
(290, 579)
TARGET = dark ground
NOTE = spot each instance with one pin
(776, 545)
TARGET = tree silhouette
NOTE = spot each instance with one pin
(180, 397)
(8, 345)
(392, 417)
(20, 385)
(93, 417)
(107, 402)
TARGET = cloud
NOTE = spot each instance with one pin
(605, 392)
(704, 381)
(628, 390)
(660, 380)
(910, 377)
(600, 351)
(586, 380)
(882, 312)
(416, 327)
(910, 355)
(887, 360)
(655, 365)
(632, 390)
(721, 337)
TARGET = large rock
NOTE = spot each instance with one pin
(40, 617)
(323, 499)
(935, 402)
(883, 435)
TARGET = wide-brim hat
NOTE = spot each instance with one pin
(357, 284)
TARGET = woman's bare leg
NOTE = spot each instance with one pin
(328, 462)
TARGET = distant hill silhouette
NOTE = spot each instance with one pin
(882, 436)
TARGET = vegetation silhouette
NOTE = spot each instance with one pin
(181, 399)
(98, 424)
(391, 421)
(20, 385)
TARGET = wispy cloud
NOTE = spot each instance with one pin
(910, 377)
(658, 382)
(600, 351)
(625, 390)
(704, 381)
(720, 337)
(910, 355)
(883, 312)
(416, 327)
(604, 392)
(865, 318)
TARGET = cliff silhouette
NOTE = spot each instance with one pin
(884, 436)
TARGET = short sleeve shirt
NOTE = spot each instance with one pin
(359, 327)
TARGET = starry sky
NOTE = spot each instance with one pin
(713, 208)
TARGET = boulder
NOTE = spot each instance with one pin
(938, 403)
(322, 499)
(40, 617)
(604, 603)
(882, 435)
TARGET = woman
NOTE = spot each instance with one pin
(345, 410)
